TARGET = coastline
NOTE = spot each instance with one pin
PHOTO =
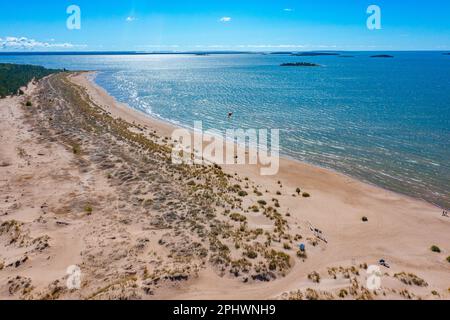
(337, 204)
(165, 128)
(133, 222)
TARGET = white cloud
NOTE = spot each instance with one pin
(24, 43)
(130, 19)
(225, 19)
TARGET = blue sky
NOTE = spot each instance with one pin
(225, 25)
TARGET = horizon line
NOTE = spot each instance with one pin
(131, 52)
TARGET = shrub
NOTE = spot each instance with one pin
(411, 279)
(365, 219)
(76, 149)
(435, 248)
(28, 104)
(448, 259)
(278, 193)
(251, 255)
(343, 293)
(262, 202)
(314, 277)
(258, 193)
(237, 217)
(88, 209)
(298, 191)
(242, 193)
(306, 195)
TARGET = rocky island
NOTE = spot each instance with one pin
(382, 56)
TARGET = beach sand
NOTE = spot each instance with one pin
(74, 192)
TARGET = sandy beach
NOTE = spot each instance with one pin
(87, 181)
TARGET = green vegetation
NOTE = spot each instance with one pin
(411, 279)
(14, 76)
(306, 195)
(243, 193)
(448, 259)
(262, 202)
(237, 217)
(88, 209)
(435, 249)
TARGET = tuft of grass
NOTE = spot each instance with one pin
(435, 248)
(411, 279)
(238, 217)
(314, 277)
(88, 209)
(76, 149)
(343, 293)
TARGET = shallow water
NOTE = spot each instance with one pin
(385, 121)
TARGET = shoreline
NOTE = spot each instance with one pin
(165, 127)
(395, 231)
(140, 227)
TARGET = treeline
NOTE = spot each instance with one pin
(14, 76)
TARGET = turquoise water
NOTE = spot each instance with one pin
(384, 121)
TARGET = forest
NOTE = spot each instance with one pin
(15, 76)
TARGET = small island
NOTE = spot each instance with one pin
(382, 56)
(299, 64)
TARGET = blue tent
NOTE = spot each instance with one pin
(302, 247)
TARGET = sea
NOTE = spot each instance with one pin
(385, 121)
